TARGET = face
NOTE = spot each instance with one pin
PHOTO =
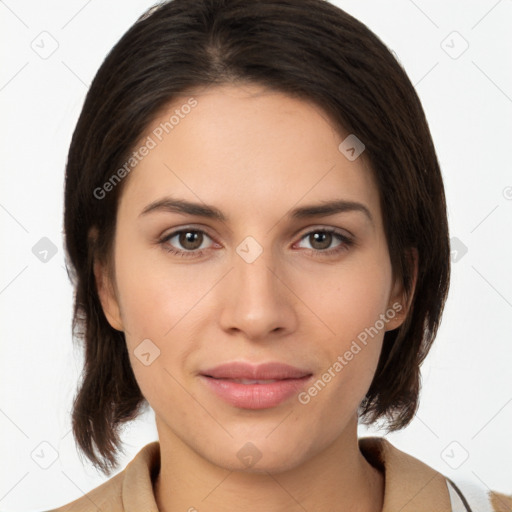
(298, 299)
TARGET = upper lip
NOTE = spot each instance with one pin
(265, 371)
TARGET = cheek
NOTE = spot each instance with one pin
(154, 295)
(161, 303)
(351, 303)
(349, 298)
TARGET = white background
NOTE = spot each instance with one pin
(466, 401)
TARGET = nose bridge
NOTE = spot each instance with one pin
(253, 263)
(257, 301)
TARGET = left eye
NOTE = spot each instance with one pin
(323, 238)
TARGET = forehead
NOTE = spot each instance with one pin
(244, 148)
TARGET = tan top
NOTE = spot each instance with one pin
(410, 485)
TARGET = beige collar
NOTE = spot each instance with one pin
(410, 485)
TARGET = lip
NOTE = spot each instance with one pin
(224, 381)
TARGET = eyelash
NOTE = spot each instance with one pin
(344, 246)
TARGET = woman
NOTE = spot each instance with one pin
(256, 227)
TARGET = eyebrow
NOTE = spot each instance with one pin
(323, 209)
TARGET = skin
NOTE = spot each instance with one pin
(254, 154)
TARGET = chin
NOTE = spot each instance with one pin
(260, 455)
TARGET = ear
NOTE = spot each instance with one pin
(107, 295)
(399, 301)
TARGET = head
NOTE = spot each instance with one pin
(250, 108)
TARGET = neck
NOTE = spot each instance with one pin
(339, 478)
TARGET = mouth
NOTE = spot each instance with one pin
(247, 381)
(249, 386)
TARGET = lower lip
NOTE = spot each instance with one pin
(255, 396)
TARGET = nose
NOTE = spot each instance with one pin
(257, 301)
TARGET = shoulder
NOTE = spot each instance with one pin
(107, 496)
(501, 502)
(132, 487)
(468, 496)
(412, 485)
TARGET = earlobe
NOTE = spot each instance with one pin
(107, 296)
(400, 302)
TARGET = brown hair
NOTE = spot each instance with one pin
(306, 48)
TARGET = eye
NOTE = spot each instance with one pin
(190, 239)
(321, 240)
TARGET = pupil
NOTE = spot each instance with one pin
(323, 239)
(188, 237)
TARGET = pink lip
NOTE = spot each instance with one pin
(222, 381)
